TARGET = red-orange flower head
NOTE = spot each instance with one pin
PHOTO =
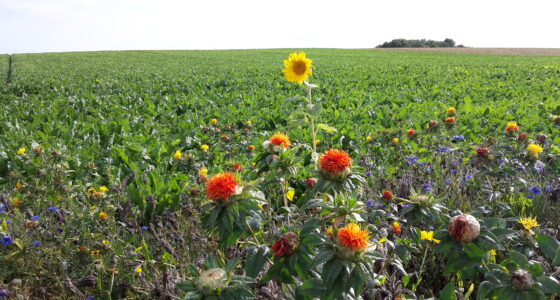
(522, 137)
(396, 228)
(387, 195)
(335, 161)
(221, 186)
(411, 132)
(353, 238)
(450, 120)
(286, 245)
(280, 140)
(482, 152)
(512, 127)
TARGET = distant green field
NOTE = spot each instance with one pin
(3, 68)
(75, 97)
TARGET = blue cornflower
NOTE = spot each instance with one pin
(442, 150)
(412, 159)
(90, 298)
(368, 174)
(535, 190)
(427, 187)
(3, 293)
(145, 227)
(2, 208)
(431, 228)
(520, 168)
(405, 205)
(539, 167)
(468, 177)
(36, 243)
(35, 218)
(369, 203)
(6, 240)
(378, 205)
(168, 224)
(448, 181)
(549, 189)
(453, 171)
(422, 163)
(8, 221)
(53, 209)
(429, 169)
(459, 137)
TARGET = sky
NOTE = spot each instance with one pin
(84, 25)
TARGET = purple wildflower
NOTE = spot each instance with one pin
(6, 240)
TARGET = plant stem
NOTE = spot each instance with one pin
(313, 132)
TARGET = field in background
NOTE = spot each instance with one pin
(105, 159)
(498, 51)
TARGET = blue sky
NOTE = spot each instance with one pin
(80, 25)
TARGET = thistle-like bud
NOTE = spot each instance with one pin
(522, 280)
(212, 281)
(482, 152)
(433, 124)
(286, 245)
(311, 182)
(464, 228)
(542, 138)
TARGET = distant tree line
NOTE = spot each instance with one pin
(423, 43)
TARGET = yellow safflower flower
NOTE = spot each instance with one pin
(429, 236)
(204, 147)
(103, 189)
(21, 151)
(213, 121)
(203, 172)
(395, 140)
(535, 149)
(528, 223)
(177, 155)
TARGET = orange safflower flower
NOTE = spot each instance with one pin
(411, 132)
(335, 161)
(352, 237)
(280, 140)
(450, 120)
(221, 186)
(396, 228)
(103, 216)
(512, 127)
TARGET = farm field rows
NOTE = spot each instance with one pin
(147, 174)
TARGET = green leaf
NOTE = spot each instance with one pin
(326, 128)
(448, 292)
(548, 245)
(548, 285)
(472, 250)
(484, 289)
(312, 287)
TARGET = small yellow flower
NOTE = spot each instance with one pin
(21, 151)
(451, 111)
(493, 252)
(317, 142)
(103, 189)
(429, 236)
(138, 270)
(213, 121)
(19, 186)
(105, 242)
(203, 172)
(204, 147)
(177, 155)
(16, 202)
(535, 149)
(103, 216)
(395, 140)
(369, 138)
(528, 223)
(249, 123)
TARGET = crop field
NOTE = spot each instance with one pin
(211, 175)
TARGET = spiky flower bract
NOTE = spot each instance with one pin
(512, 127)
(297, 67)
(353, 237)
(335, 161)
(221, 186)
(280, 139)
(528, 223)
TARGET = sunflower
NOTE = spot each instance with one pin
(335, 161)
(352, 237)
(221, 186)
(297, 67)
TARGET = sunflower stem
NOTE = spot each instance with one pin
(313, 132)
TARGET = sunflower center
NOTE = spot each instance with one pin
(299, 67)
